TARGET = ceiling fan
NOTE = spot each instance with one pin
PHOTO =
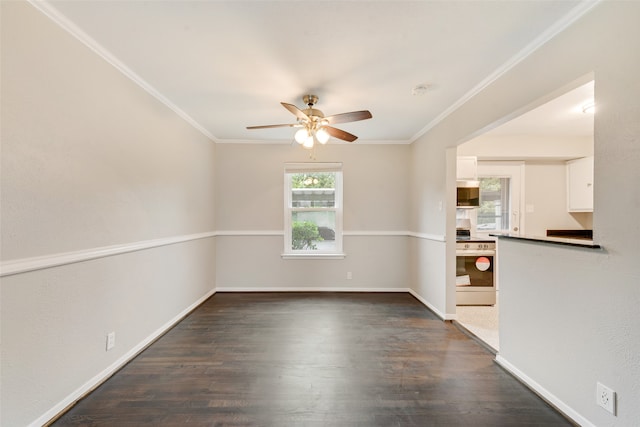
(315, 126)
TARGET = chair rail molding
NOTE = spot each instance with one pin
(25, 265)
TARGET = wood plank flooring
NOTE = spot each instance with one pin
(312, 359)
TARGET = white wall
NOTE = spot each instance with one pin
(541, 199)
(521, 147)
(432, 202)
(569, 317)
(546, 194)
(89, 160)
(545, 177)
(250, 215)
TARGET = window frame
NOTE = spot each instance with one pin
(505, 195)
(296, 168)
(515, 170)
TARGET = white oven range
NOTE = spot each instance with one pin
(475, 275)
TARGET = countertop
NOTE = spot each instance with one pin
(579, 242)
(475, 239)
(571, 234)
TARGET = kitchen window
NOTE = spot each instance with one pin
(493, 213)
(313, 210)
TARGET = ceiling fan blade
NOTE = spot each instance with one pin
(296, 111)
(353, 116)
(340, 134)
(271, 126)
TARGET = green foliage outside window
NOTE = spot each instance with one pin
(304, 234)
(313, 180)
(488, 207)
(490, 184)
(493, 213)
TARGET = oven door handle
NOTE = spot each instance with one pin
(475, 253)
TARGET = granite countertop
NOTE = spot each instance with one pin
(571, 234)
(577, 242)
(475, 239)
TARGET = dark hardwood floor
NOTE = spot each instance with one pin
(312, 359)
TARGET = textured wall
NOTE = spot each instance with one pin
(568, 318)
(89, 160)
(251, 200)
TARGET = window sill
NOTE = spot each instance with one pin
(314, 256)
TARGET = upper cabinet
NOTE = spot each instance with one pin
(580, 185)
(467, 167)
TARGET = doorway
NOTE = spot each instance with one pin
(501, 184)
(539, 143)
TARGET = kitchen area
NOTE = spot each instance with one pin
(476, 284)
(475, 253)
(532, 178)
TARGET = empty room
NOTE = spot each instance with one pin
(254, 213)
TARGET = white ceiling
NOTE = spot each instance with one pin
(225, 65)
(562, 116)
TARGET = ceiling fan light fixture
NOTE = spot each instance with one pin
(314, 126)
(302, 135)
(308, 143)
(322, 136)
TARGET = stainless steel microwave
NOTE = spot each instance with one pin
(468, 194)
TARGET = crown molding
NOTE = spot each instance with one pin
(572, 16)
(52, 13)
(562, 24)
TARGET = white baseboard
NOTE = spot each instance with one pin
(431, 307)
(304, 289)
(115, 366)
(334, 289)
(544, 393)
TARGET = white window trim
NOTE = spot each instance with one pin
(291, 168)
(514, 170)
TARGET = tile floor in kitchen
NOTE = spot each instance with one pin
(482, 321)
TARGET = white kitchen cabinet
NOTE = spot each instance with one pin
(467, 167)
(580, 185)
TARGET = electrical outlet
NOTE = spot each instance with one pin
(349, 275)
(606, 398)
(111, 340)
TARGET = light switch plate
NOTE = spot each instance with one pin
(111, 340)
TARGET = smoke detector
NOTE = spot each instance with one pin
(420, 90)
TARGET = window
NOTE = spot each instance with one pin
(493, 214)
(313, 209)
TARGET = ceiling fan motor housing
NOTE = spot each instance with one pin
(315, 123)
(313, 112)
(310, 100)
